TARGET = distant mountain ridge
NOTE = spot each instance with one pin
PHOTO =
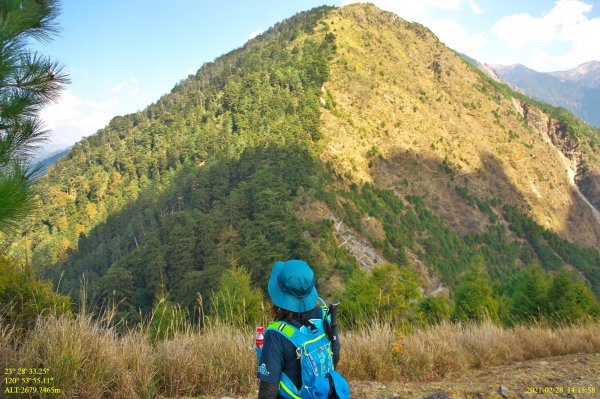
(577, 89)
(586, 74)
(50, 159)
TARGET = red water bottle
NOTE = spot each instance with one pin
(260, 337)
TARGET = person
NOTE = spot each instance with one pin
(294, 301)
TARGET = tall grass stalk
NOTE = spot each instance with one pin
(7, 342)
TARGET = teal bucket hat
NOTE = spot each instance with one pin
(292, 286)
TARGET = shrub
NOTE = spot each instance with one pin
(389, 294)
(436, 309)
(22, 298)
(474, 300)
(237, 302)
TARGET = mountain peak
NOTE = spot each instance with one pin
(507, 68)
(370, 14)
(586, 74)
(590, 64)
(585, 68)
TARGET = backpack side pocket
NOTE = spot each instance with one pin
(338, 386)
(320, 388)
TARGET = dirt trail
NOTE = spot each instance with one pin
(576, 376)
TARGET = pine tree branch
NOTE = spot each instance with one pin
(41, 77)
(37, 19)
(17, 195)
(28, 81)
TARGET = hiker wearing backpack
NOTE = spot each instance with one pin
(298, 359)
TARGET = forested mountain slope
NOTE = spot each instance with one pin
(347, 137)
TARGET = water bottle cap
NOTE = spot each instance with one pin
(260, 329)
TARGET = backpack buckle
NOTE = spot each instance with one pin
(299, 353)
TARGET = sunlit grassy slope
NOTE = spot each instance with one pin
(397, 90)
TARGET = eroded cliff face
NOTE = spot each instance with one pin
(556, 131)
(589, 184)
(585, 180)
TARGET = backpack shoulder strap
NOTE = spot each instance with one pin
(288, 331)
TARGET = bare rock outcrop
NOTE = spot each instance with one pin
(587, 182)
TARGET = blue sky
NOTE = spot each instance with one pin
(123, 55)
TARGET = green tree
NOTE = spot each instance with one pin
(360, 299)
(390, 293)
(116, 288)
(436, 309)
(237, 302)
(527, 290)
(28, 81)
(569, 299)
(473, 297)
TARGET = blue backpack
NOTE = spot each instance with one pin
(313, 348)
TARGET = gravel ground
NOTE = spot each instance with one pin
(573, 376)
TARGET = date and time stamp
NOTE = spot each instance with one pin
(564, 390)
(28, 380)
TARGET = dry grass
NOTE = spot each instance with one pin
(89, 359)
(433, 352)
(219, 360)
(366, 354)
(7, 345)
(85, 358)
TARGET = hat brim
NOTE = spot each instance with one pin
(287, 302)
